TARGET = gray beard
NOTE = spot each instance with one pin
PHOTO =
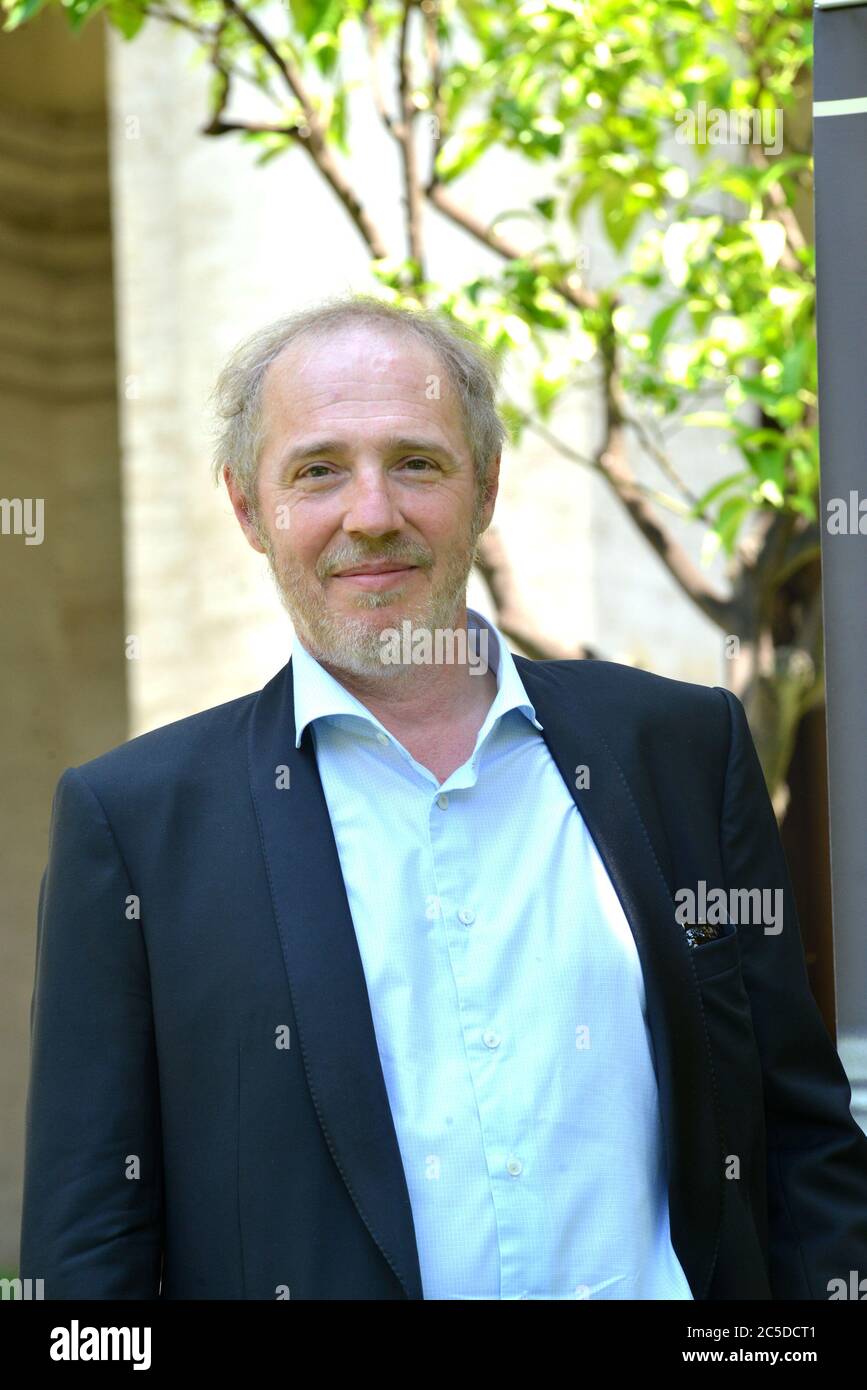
(351, 642)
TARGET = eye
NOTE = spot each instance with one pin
(312, 465)
(418, 458)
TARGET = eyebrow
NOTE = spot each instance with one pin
(392, 442)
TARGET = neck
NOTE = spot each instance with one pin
(432, 695)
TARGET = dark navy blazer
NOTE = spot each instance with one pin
(193, 914)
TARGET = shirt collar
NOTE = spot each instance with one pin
(317, 695)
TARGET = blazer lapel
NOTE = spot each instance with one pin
(632, 847)
(326, 978)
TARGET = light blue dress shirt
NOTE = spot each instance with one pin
(508, 1005)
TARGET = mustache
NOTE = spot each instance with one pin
(344, 562)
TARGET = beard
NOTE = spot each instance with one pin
(351, 642)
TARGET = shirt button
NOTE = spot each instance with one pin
(383, 738)
(442, 801)
(491, 1039)
(515, 1166)
(467, 916)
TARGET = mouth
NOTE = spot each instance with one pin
(381, 576)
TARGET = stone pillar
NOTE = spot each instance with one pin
(62, 698)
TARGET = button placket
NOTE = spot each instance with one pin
(483, 1042)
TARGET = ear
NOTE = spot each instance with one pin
(491, 487)
(242, 511)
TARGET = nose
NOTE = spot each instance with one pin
(372, 505)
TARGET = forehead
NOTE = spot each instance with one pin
(358, 373)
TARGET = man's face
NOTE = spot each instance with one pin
(364, 461)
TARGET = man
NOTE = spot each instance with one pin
(384, 982)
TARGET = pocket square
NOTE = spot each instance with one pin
(701, 933)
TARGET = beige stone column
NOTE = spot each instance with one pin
(62, 696)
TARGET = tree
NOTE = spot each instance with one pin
(716, 296)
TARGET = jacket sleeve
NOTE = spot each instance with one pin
(816, 1152)
(92, 1202)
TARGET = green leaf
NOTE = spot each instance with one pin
(618, 221)
(128, 16)
(460, 154)
(546, 388)
(547, 207)
(769, 466)
(22, 11)
(805, 505)
(703, 502)
(660, 325)
(79, 11)
(313, 16)
(271, 142)
(795, 361)
(731, 517)
(337, 125)
(708, 419)
(739, 185)
(779, 169)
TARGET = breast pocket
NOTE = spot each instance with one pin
(713, 957)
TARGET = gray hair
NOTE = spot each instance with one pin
(470, 365)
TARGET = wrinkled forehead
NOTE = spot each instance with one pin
(353, 364)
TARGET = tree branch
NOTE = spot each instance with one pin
(570, 289)
(784, 214)
(311, 136)
(210, 39)
(493, 564)
(610, 462)
(662, 461)
(405, 134)
(434, 58)
(372, 37)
